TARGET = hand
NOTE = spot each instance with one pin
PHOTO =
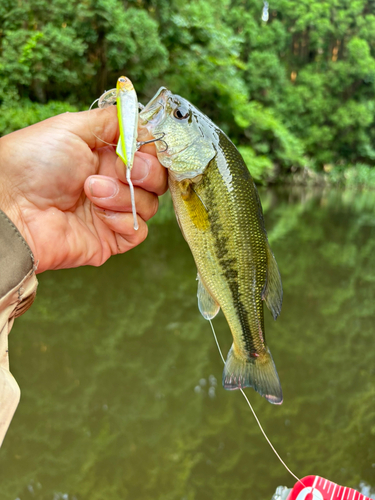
(66, 190)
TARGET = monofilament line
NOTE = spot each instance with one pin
(93, 133)
(253, 412)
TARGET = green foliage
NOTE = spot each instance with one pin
(24, 112)
(357, 176)
(298, 89)
(260, 166)
(268, 135)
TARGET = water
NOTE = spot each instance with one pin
(121, 378)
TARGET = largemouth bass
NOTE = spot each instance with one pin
(220, 215)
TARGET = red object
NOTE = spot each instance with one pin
(318, 488)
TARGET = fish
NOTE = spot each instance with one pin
(220, 215)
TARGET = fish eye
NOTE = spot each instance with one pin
(181, 113)
(122, 80)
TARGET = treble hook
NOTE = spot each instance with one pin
(155, 140)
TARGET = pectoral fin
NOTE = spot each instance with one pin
(197, 211)
(206, 303)
(273, 290)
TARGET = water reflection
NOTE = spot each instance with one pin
(120, 376)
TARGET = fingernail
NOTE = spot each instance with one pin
(103, 188)
(141, 169)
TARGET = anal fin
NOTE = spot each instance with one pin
(207, 305)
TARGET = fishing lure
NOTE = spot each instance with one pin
(127, 112)
(126, 99)
(125, 96)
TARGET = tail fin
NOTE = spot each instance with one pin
(259, 373)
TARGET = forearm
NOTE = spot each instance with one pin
(18, 285)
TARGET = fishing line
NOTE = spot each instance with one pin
(91, 130)
(255, 416)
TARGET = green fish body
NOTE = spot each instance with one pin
(220, 215)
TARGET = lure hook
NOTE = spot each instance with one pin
(155, 140)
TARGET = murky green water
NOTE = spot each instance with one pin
(121, 379)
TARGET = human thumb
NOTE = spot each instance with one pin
(96, 127)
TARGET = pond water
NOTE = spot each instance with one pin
(121, 378)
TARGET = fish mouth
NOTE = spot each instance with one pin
(152, 113)
(150, 117)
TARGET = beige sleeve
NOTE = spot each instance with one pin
(18, 286)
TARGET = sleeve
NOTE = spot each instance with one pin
(18, 286)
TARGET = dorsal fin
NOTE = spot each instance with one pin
(206, 303)
(272, 292)
(273, 289)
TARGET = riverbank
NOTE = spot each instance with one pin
(358, 176)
